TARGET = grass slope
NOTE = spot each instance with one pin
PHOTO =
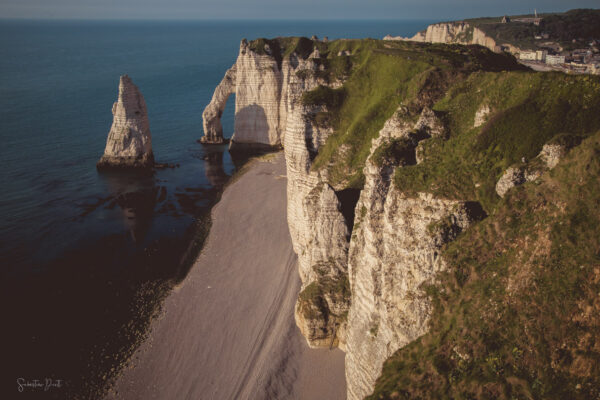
(517, 314)
(382, 76)
(528, 109)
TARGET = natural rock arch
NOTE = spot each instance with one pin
(211, 117)
(256, 80)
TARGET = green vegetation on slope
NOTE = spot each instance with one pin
(527, 110)
(384, 75)
(517, 314)
(579, 24)
(378, 77)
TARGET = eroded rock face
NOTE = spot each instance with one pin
(319, 234)
(269, 111)
(512, 177)
(211, 117)
(394, 249)
(266, 89)
(129, 143)
(552, 154)
(516, 175)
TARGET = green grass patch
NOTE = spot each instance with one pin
(528, 110)
(517, 313)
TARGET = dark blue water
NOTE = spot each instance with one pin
(85, 257)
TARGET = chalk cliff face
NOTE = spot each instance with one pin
(265, 88)
(451, 32)
(361, 264)
(268, 111)
(393, 248)
(129, 142)
(319, 234)
(393, 251)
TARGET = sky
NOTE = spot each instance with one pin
(280, 9)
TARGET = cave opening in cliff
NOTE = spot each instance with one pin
(348, 199)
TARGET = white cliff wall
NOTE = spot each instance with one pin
(318, 229)
(394, 249)
(269, 111)
(257, 96)
(265, 91)
(452, 32)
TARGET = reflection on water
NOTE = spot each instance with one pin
(81, 317)
(136, 194)
(213, 167)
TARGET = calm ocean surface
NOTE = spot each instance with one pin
(86, 257)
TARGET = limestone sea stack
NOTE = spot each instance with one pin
(129, 142)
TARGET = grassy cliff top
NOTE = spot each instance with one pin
(380, 76)
(517, 314)
(527, 110)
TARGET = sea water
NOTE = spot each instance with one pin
(86, 257)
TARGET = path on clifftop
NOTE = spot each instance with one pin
(228, 332)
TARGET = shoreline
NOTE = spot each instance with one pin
(227, 331)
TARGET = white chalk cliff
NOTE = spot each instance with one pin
(265, 88)
(394, 250)
(451, 32)
(129, 142)
(361, 276)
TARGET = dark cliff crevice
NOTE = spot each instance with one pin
(348, 199)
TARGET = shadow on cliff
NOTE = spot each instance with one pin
(251, 129)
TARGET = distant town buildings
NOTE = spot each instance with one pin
(552, 59)
(538, 55)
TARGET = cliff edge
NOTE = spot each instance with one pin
(407, 163)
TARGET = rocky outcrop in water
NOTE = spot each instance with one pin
(129, 143)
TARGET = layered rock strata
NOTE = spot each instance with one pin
(265, 87)
(451, 32)
(394, 251)
(268, 111)
(320, 236)
(129, 142)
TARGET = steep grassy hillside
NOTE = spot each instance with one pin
(527, 110)
(517, 314)
(382, 76)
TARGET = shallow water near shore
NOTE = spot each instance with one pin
(86, 258)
